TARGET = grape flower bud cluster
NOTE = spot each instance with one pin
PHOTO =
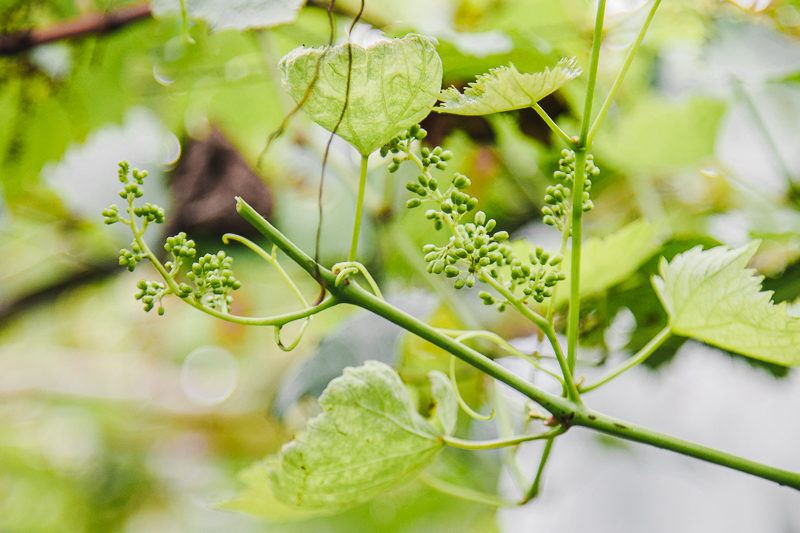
(212, 275)
(557, 207)
(474, 247)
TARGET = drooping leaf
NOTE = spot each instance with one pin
(368, 439)
(233, 14)
(393, 85)
(711, 296)
(506, 89)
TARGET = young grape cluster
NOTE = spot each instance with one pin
(558, 208)
(212, 275)
(474, 247)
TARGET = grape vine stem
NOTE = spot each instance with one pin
(565, 411)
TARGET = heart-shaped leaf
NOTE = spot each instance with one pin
(506, 89)
(393, 85)
(368, 439)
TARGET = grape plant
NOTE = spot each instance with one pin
(371, 436)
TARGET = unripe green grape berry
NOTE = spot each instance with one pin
(422, 180)
(412, 187)
(433, 184)
(459, 284)
(472, 203)
(460, 181)
(451, 271)
(414, 202)
(437, 225)
(438, 267)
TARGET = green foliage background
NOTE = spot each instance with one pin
(97, 429)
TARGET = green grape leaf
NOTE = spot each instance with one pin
(368, 439)
(393, 85)
(257, 498)
(506, 89)
(233, 14)
(608, 261)
(712, 296)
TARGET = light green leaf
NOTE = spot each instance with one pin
(258, 499)
(506, 89)
(608, 261)
(711, 296)
(393, 85)
(233, 14)
(661, 133)
(446, 410)
(368, 439)
(611, 260)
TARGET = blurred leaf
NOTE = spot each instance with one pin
(368, 439)
(711, 296)
(393, 85)
(608, 261)
(506, 89)
(661, 134)
(446, 408)
(233, 14)
(258, 499)
(611, 260)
